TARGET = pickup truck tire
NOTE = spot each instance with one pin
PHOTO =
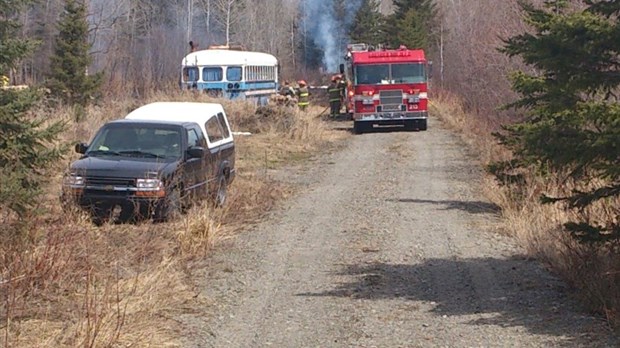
(170, 208)
(222, 191)
(100, 214)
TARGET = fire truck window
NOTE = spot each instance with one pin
(371, 74)
(408, 73)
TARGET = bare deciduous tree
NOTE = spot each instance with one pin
(228, 16)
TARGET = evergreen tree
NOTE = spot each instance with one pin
(69, 80)
(415, 21)
(26, 149)
(13, 48)
(413, 32)
(402, 6)
(573, 119)
(368, 24)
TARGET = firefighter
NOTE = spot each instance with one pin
(302, 95)
(286, 90)
(4, 81)
(342, 84)
(335, 100)
(286, 95)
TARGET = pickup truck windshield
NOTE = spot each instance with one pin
(129, 140)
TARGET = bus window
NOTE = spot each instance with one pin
(233, 73)
(212, 74)
(252, 77)
(190, 74)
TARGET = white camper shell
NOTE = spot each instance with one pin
(206, 115)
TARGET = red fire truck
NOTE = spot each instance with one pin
(386, 87)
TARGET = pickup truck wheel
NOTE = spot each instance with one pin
(100, 214)
(222, 192)
(170, 208)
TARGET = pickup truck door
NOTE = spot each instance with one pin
(196, 171)
(215, 136)
(227, 146)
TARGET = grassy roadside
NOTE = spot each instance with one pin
(65, 282)
(594, 271)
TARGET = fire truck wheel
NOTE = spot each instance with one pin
(415, 125)
(423, 125)
(358, 127)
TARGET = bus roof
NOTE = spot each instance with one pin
(388, 56)
(215, 57)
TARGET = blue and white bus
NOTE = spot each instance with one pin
(231, 74)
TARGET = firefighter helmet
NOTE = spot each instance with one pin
(301, 82)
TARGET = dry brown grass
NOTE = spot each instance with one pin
(593, 270)
(66, 283)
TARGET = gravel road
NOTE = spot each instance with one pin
(389, 244)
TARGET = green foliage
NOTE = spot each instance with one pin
(412, 24)
(12, 47)
(413, 31)
(69, 80)
(27, 150)
(369, 24)
(26, 143)
(573, 119)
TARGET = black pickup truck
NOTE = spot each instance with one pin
(154, 163)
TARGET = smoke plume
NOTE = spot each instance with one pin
(327, 31)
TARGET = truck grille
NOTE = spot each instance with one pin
(391, 97)
(107, 181)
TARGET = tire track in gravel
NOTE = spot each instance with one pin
(390, 245)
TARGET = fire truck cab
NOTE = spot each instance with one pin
(386, 87)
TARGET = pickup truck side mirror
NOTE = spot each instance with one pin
(342, 68)
(196, 152)
(81, 148)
